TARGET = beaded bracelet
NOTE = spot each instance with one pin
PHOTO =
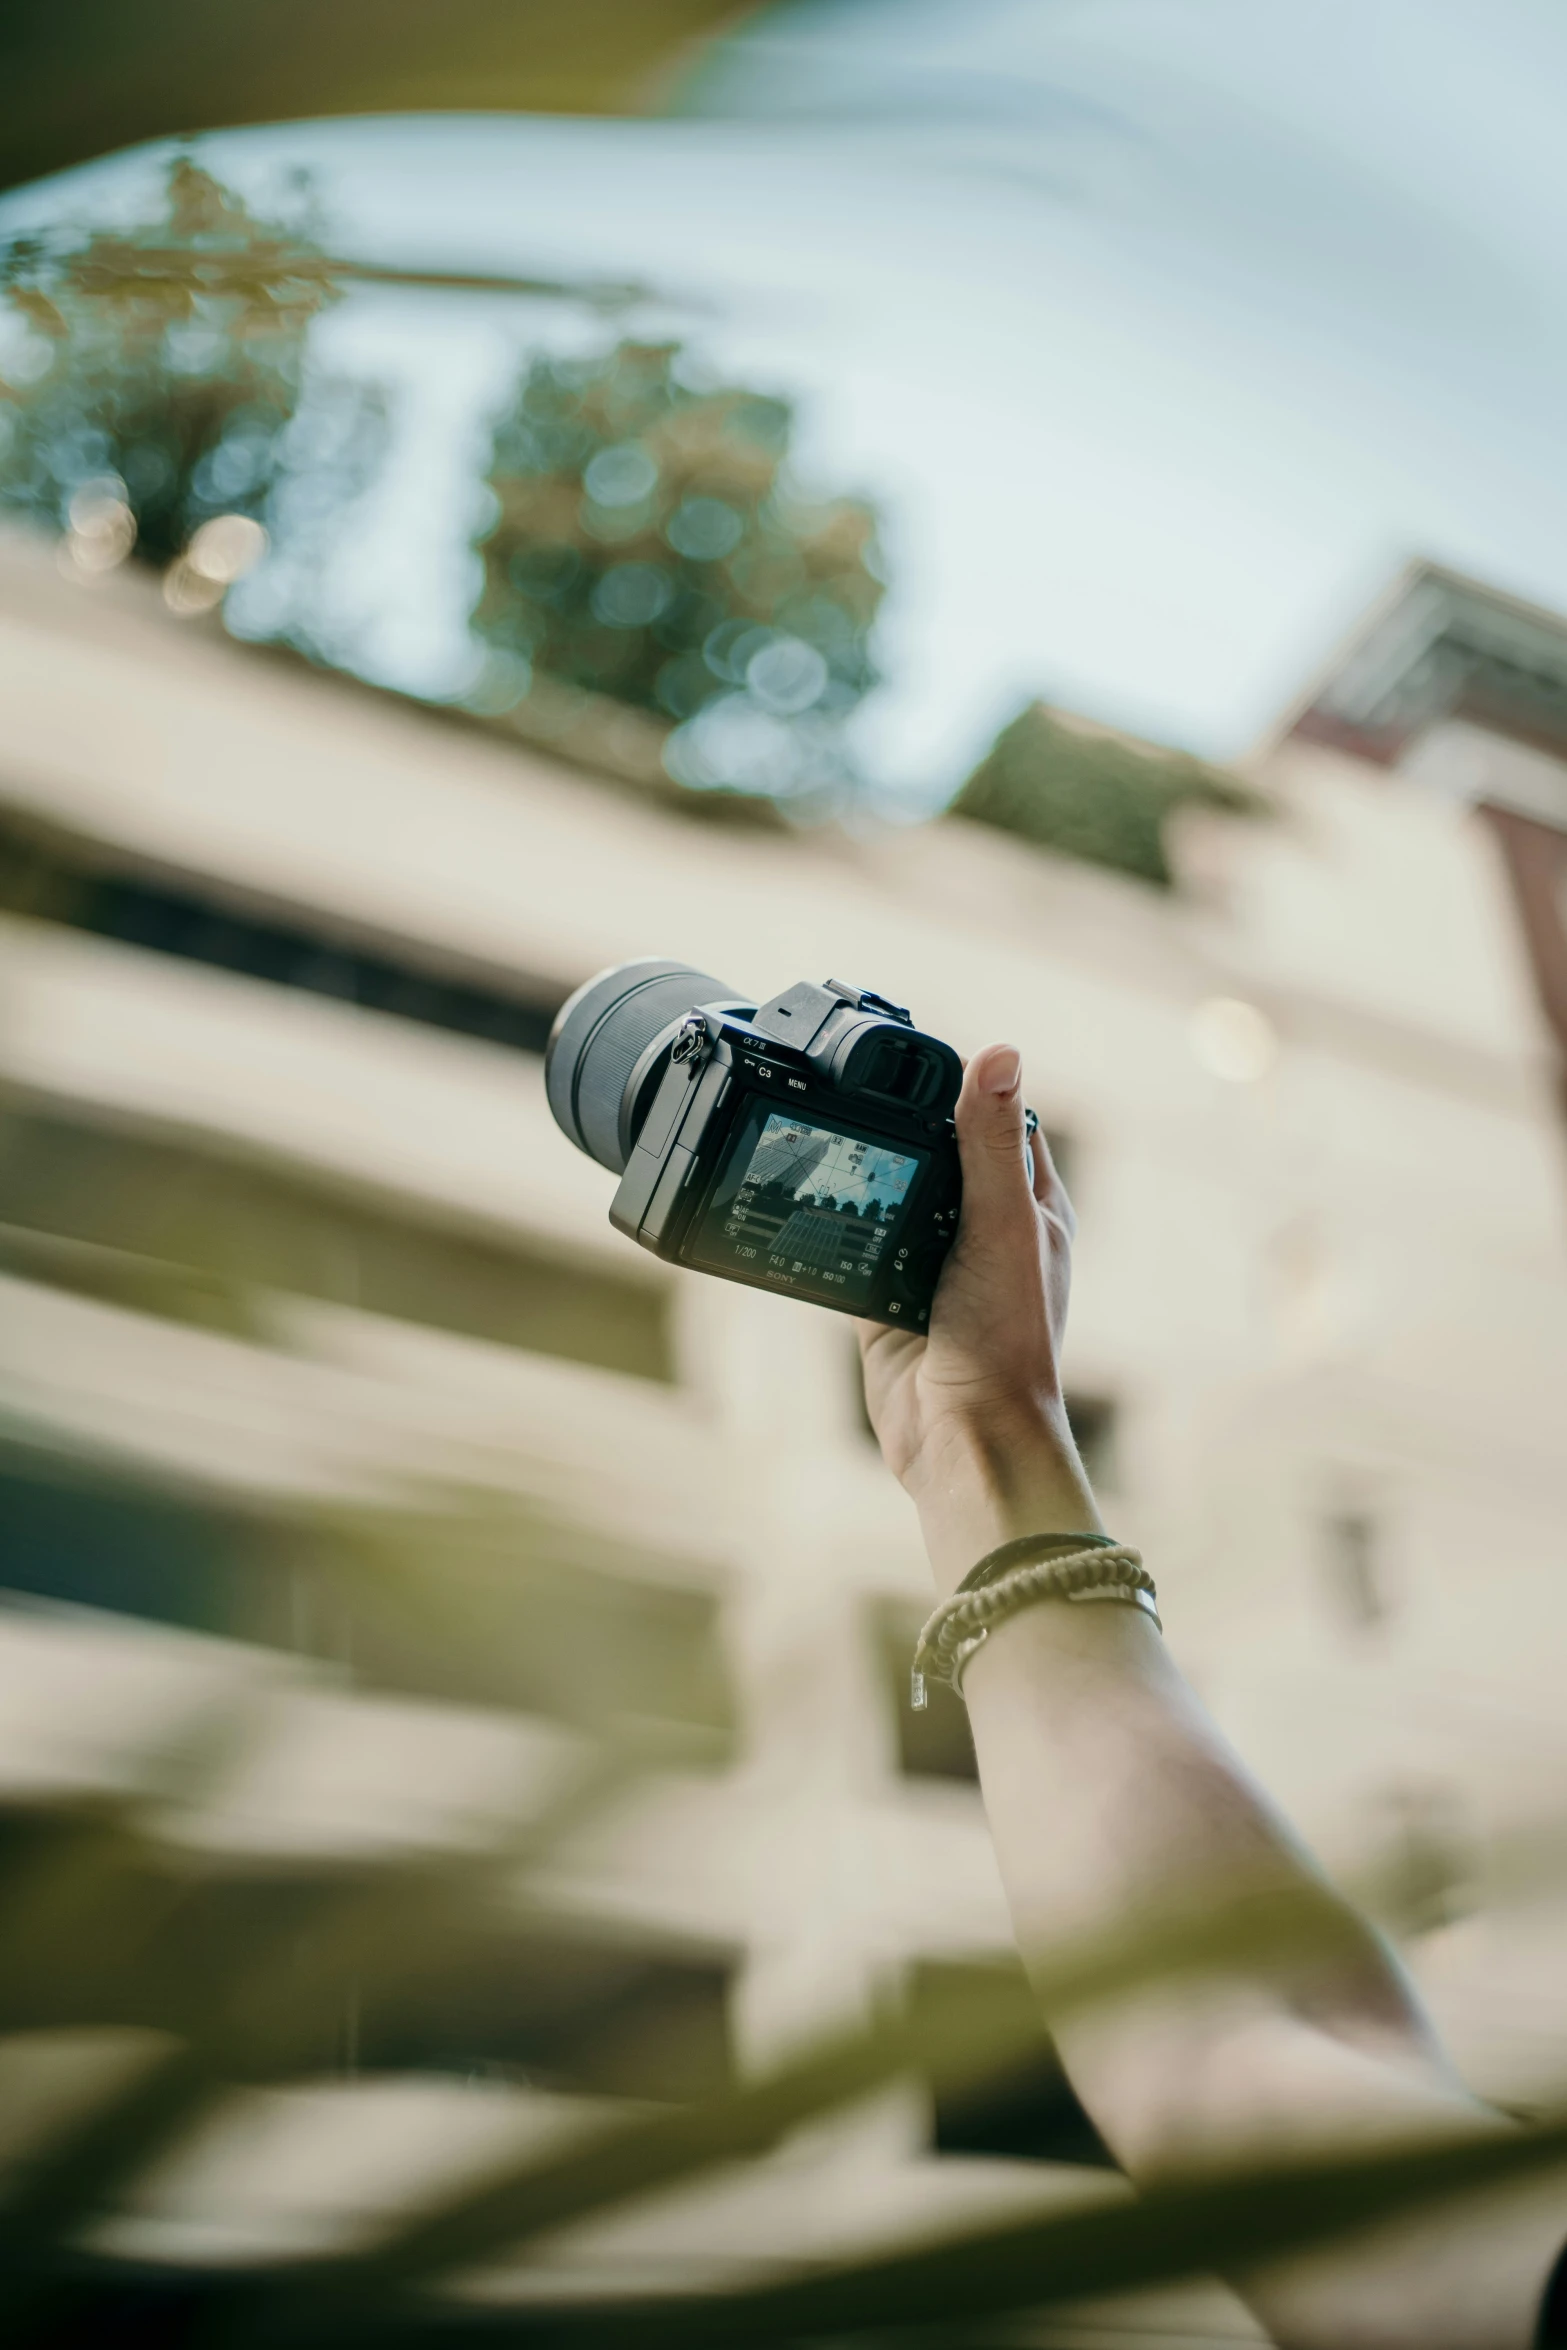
(1036, 1567)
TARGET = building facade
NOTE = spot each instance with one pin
(317, 1342)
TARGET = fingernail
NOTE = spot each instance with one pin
(1005, 1072)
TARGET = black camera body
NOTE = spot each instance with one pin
(805, 1145)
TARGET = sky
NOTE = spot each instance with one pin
(1162, 331)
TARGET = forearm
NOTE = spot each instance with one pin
(1120, 1816)
(1249, 2011)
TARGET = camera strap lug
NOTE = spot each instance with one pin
(692, 1043)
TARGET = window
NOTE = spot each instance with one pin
(517, 1609)
(603, 2018)
(1353, 1570)
(1025, 2108)
(54, 878)
(481, 1993)
(506, 1610)
(114, 1543)
(189, 1234)
(936, 1742)
(1094, 1423)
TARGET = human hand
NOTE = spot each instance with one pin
(970, 1418)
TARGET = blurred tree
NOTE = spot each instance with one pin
(647, 549)
(1091, 793)
(161, 381)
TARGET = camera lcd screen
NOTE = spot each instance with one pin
(805, 1207)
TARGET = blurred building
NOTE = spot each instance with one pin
(316, 1344)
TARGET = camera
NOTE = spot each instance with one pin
(804, 1145)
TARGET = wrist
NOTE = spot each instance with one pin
(982, 1481)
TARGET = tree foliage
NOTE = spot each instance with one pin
(1091, 794)
(647, 546)
(167, 367)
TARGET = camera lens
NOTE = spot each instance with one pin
(601, 1034)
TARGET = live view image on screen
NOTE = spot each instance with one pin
(808, 1206)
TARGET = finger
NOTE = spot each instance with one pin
(998, 1173)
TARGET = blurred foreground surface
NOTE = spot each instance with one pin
(454, 1667)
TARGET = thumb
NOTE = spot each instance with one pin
(998, 1190)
